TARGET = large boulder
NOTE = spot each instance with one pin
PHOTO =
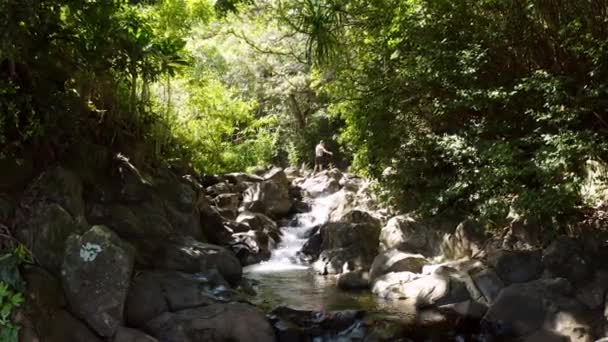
(355, 280)
(57, 185)
(300, 325)
(322, 184)
(524, 309)
(359, 216)
(396, 261)
(228, 204)
(253, 246)
(565, 258)
(444, 286)
(155, 292)
(188, 255)
(62, 326)
(45, 228)
(466, 241)
(346, 247)
(96, 272)
(261, 223)
(410, 235)
(270, 197)
(516, 266)
(213, 323)
(213, 224)
(131, 222)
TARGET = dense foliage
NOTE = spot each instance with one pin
(479, 107)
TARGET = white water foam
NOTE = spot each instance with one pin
(283, 258)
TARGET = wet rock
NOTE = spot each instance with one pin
(188, 255)
(253, 246)
(321, 184)
(300, 325)
(565, 258)
(525, 308)
(95, 274)
(131, 335)
(213, 224)
(213, 323)
(228, 203)
(260, 222)
(218, 189)
(516, 266)
(312, 247)
(396, 261)
(346, 247)
(155, 292)
(356, 280)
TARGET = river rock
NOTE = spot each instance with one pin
(396, 261)
(219, 188)
(253, 246)
(301, 325)
(409, 235)
(96, 271)
(213, 323)
(526, 308)
(516, 266)
(346, 247)
(155, 292)
(139, 221)
(321, 184)
(62, 327)
(228, 204)
(359, 216)
(488, 283)
(131, 335)
(260, 222)
(355, 280)
(213, 224)
(188, 255)
(443, 287)
(270, 197)
(466, 241)
(565, 258)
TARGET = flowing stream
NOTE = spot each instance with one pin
(284, 281)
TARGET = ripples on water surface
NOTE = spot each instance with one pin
(282, 281)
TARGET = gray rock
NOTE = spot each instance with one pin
(45, 228)
(488, 283)
(63, 327)
(466, 241)
(320, 184)
(565, 258)
(541, 304)
(359, 216)
(516, 266)
(188, 255)
(356, 280)
(346, 247)
(96, 271)
(270, 197)
(253, 246)
(409, 235)
(131, 335)
(396, 261)
(228, 203)
(213, 323)
(155, 292)
(592, 293)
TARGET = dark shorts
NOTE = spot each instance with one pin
(319, 160)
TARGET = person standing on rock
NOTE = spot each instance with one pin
(320, 151)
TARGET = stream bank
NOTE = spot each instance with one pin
(130, 254)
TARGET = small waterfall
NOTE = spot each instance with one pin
(283, 258)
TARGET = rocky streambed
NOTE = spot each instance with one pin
(130, 254)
